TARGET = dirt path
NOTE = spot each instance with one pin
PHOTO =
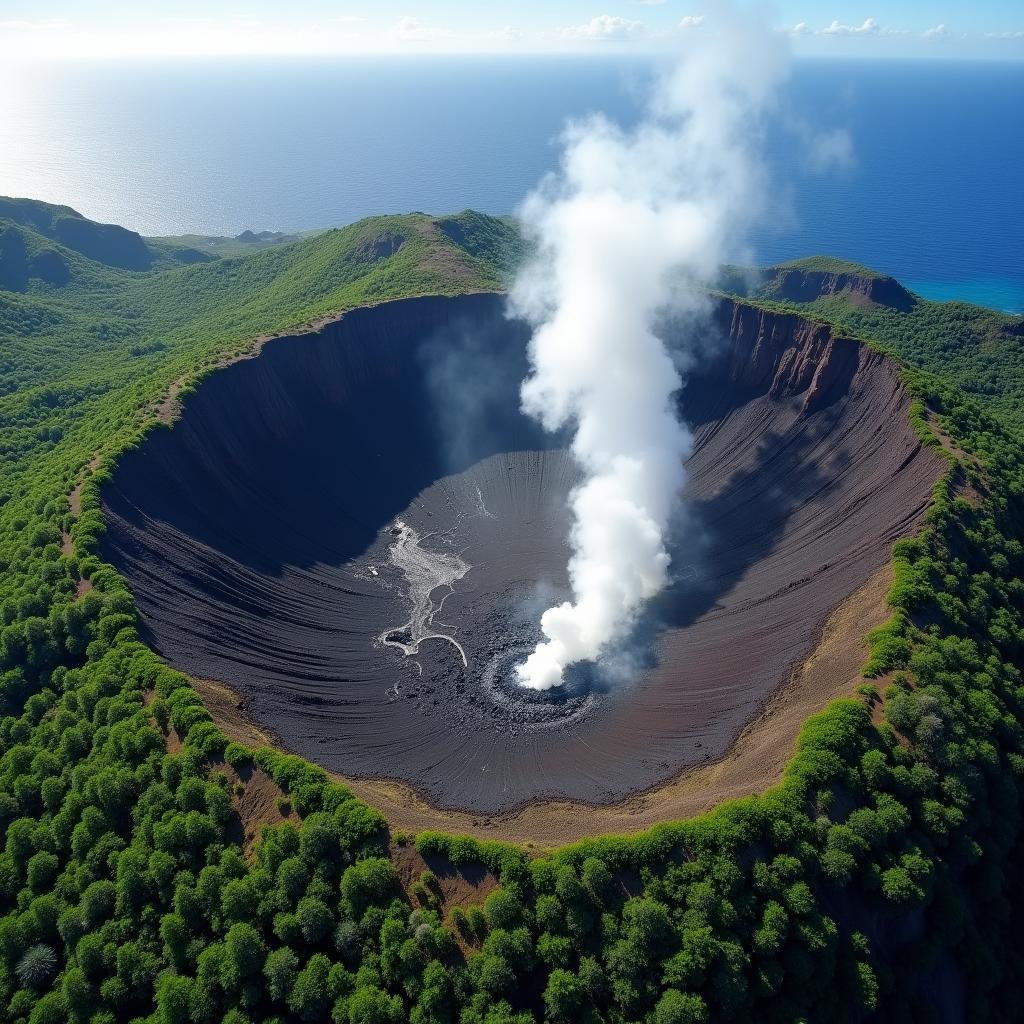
(75, 497)
(754, 763)
(67, 543)
(962, 487)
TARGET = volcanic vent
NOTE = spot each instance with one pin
(358, 530)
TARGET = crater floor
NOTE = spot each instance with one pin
(358, 530)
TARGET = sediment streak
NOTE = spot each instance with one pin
(425, 571)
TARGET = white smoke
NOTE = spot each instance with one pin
(631, 227)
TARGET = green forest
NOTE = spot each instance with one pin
(878, 881)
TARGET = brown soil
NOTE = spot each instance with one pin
(75, 502)
(881, 683)
(442, 260)
(962, 487)
(754, 763)
(173, 741)
(932, 419)
(228, 711)
(169, 406)
(75, 497)
(455, 886)
(257, 805)
(451, 887)
(67, 544)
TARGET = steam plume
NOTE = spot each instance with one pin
(628, 229)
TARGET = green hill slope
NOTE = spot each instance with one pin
(108, 244)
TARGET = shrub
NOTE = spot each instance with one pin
(280, 970)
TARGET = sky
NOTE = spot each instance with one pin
(90, 29)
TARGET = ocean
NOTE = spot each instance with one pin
(933, 194)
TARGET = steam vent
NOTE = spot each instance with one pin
(358, 530)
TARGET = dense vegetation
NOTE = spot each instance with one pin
(876, 881)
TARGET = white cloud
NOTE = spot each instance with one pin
(606, 27)
(407, 29)
(870, 27)
(412, 30)
(29, 38)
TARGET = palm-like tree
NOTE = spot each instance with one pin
(36, 966)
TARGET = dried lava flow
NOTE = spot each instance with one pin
(334, 527)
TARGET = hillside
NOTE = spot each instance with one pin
(46, 233)
(980, 350)
(101, 339)
(152, 871)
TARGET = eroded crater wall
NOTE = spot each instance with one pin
(256, 537)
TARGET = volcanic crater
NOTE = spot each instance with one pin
(358, 530)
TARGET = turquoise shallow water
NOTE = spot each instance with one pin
(1005, 293)
(934, 194)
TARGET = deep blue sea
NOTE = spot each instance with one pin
(934, 193)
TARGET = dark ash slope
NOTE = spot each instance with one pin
(284, 537)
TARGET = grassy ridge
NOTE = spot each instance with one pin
(883, 866)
